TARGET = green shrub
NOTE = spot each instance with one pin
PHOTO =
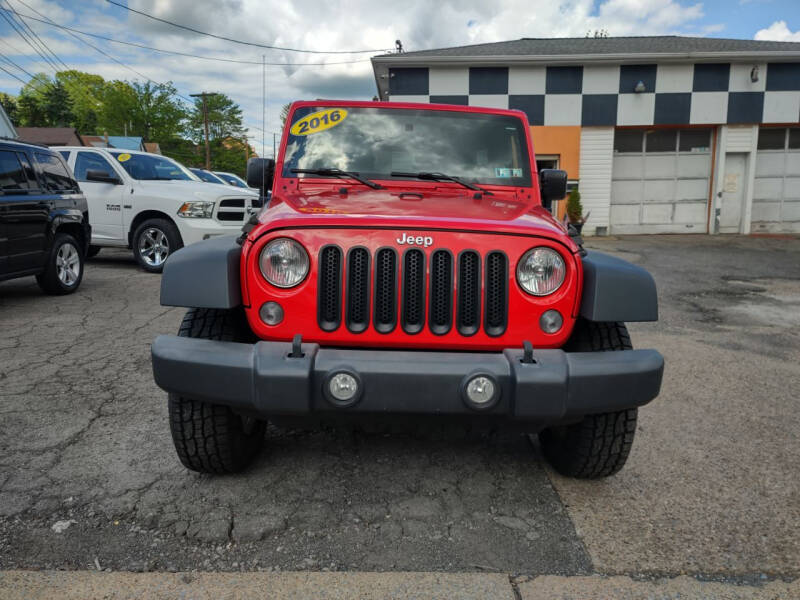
(574, 206)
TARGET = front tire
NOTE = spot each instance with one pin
(153, 241)
(599, 444)
(63, 271)
(211, 438)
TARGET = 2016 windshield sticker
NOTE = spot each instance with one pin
(319, 121)
(123, 157)
(503, 172)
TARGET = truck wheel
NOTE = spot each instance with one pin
(598, 445)
(153, 241)
(211, 438)
(93, 251)
(64, 268)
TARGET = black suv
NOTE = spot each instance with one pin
(44, 218)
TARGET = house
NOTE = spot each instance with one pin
(663, 134)
(126, 142)
(95, 141)
(50, 136)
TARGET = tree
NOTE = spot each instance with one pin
(57, 105)
(224, 119)
(85, 90)
(30, 102)
(148, 110)
(9, 104)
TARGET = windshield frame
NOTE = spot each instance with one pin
(526, 153)
(116, 153)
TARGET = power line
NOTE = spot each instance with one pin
(7, 16)
(36, 35)
(27, 37)
(7, 59)
(186, 54)
(107, 55)
(227, 39)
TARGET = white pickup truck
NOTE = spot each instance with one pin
(152, 204)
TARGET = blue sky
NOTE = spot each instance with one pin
(327, 25)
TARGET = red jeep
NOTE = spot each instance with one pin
(405, 268)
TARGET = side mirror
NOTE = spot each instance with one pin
(260, 173)
(102, 177)
(553, 186)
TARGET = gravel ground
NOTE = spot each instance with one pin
(88, 475)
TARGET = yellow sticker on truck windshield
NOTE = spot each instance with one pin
(123, 157)
(319, 121)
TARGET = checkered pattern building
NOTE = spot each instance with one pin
(745, 94)
(671, 94)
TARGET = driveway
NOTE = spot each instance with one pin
(89, 477)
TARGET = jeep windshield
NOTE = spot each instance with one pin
(383, 143)
(151, 167)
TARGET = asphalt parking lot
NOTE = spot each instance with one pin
(89, 477)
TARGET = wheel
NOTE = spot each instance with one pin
(93, 251)
(211, 438)
(64, 268)
(153, 241)
(599, 444)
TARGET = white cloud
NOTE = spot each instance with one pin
(778, 32)
(323, 25)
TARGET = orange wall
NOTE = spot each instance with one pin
(564, 141)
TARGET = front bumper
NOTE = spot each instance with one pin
(264, 379)
(197, 229)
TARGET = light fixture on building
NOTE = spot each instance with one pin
(640, 87)
(754, 74)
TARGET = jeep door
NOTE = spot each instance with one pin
(105, 199)
(24, 214)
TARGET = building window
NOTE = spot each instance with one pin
(695, 140)
(770, 138)
(628, 140)
(794, 138)
(637, 141)
(661, 140)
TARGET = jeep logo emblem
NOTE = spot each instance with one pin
(419, 240)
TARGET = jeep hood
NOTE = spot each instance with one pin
(512, 212)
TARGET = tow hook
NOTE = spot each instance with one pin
(527, 353)
(297, 351)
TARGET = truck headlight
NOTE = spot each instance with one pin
(541, 271)
(283, 262)
(197, 210)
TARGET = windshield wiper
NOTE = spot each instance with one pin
(339, 173)
(441, 177)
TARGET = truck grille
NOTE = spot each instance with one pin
(398, 289)
(232, 209)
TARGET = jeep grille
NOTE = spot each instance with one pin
(394, 284)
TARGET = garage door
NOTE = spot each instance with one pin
(776, 193)
(660, 181)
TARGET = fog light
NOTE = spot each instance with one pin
(551, 321)
(480, 391)
(271, 313)
(343, 387)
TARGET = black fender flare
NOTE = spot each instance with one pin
(616, 290)
(204, 275)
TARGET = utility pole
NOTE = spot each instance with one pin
(204, 95)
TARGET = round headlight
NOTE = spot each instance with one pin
(541, 271)
(284, 263)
